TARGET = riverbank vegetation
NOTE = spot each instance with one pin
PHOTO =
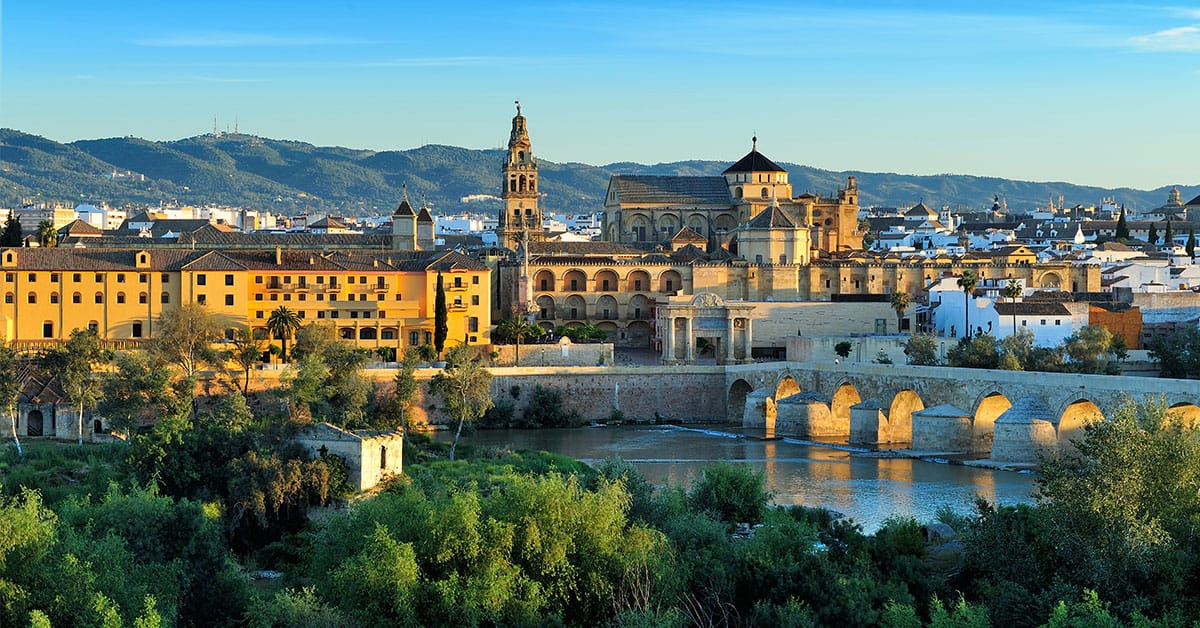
(168, 529)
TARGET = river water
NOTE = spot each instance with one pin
(865, 489)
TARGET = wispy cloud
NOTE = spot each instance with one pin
(244, 40)
(176, 80)
(434, 62)
(1179, 39)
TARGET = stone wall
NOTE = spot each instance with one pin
(776, 322)
(562, 353)
(863, 348)
(1166, 307)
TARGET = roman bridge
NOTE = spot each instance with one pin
(1008, 416)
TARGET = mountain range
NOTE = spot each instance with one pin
(291, 177)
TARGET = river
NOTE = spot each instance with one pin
(865, 489)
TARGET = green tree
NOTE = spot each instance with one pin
(1152, 234)
(731, 493)
(1178, 353)
(46, 233)
(281, 324)
(184, 337)
(1122, 233)
(464, 385)
(922, 350)
(1091, 350)
(967, 282)
(74, 362)
(980, 352)
(1169, 237)
(314, 339)
(12, 231)
(1190, 247)
(404, 390)
(843, 348)
(1011, 292)
(440, 317)
(515, 330)
(246, 353)
(140, 390)
(900, 301)
(10, 388)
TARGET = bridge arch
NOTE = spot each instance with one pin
(988, 408)
(900, 412)
(1074, 417)
(844, 396)
(786, 388)
(736, 399)
(1186, 413)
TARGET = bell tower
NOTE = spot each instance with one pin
(521, 216)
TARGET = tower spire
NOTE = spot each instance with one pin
(519, 189)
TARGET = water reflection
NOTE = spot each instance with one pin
(866, 489)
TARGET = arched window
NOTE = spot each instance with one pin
(99, 297)
(120, 297)
(9, 297)
(32, 297)
(166, 297)
(54, 297)
(737, 192)
(143, 298)
(76, 298)
(765, 193)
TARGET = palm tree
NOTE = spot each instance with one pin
(900, 301)
(967, 282)
(47, 234)
(281, 324)
(515, 329)
(1011, 292)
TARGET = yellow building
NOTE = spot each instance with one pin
(376, 299)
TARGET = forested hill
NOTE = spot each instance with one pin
(291, 176)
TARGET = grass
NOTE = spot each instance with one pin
(61, 469)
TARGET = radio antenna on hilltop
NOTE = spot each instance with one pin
(214, 125)
(235, 125)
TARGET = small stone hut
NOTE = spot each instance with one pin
(369, 455)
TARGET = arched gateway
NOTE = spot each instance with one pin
(683, 321)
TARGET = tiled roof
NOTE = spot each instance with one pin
(213, 261)
(637, 189)
(404, 209)
(78, 228)
(920, 209)
(771, 218)
(1195, 201)
(754, 161)
(1031, 308)
(687, 234)
(581, 248)
(424, 216)
(453, 260)
(689, 253)
(327, 223)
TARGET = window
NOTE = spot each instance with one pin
(475, 280)
(287, 279)
(320, 279)
(1058, 321)
(76, 298)
(229, 280)
(413, 338)
(473, 324)
(201, 280)
(287, 297)
(757, 259)
(1043, 321)
(229, 299)
(670, 285)
(93, 326)
(605, 286)
(380, 296)
(258, 279)
(353, 314)
(333, 315)
(574, 284)
(47, 329)
(258, 314)
(428, 337)
(120, 297)
(166, 297)
(10, 277)
(458, 282)
(303, 281)
(349, 280)
(274, 297)
(382, 457)
(166, 278)
(54, 297)
(8, 297)
(362, 280)
(399, 297)
(76, 277)
(474, 299)
(53, 277)
(32, 277)
(457, 301)
(637, 284)
(137, 329)
(380, 283)
(143, 278)
(258, 297)
(382, 314)
(99, 297)
(366, 315)
(320, 313)
(32, 298)
(143, 298)
(120, 277)
(321, 297)
(202, 299)
(302, 296)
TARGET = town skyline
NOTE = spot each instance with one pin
(1094, 95)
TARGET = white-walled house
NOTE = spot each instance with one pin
(1050, 321)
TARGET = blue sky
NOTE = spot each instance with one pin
(1102, 94)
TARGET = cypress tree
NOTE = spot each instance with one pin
(1191, 242)
(1152, 234)
(440, 316)
(11, 236)
(1122, 226)
(1168, 239)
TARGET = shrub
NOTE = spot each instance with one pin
(731, 493)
